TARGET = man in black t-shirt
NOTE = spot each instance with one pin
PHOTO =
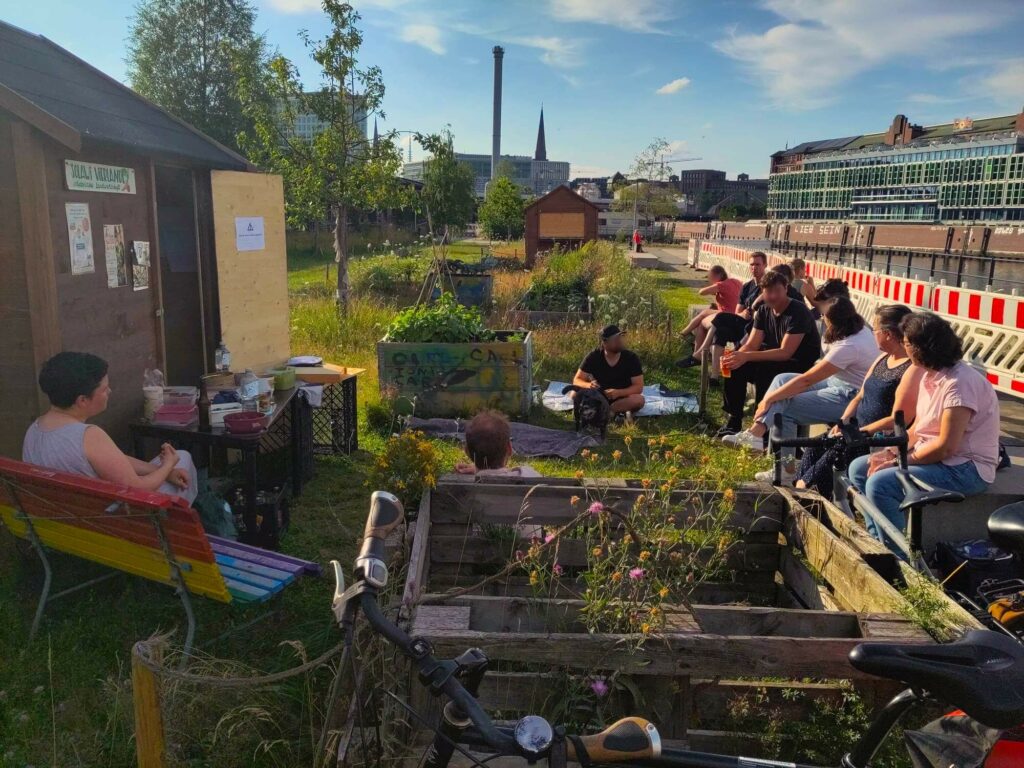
(783, 339)
(615, 371)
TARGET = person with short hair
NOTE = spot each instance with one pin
(729, 327)
(954, 442)
(821, 394)
(78, 388)
(784, 339)
(489, 447)
(802, 282)
(725, 291)
(614, 370)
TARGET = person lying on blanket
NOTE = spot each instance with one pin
(614, 370)
(78, 388)
(489, 446)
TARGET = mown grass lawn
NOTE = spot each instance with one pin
(65, 698)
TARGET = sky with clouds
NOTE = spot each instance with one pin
(728, 81)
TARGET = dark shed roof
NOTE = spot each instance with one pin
(560, 190)
(97, 106)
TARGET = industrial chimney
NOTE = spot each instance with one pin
(499, 54)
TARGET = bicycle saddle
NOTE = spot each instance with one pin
(920, 494)
(982, 673)
(1006, 527)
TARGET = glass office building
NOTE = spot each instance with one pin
(958, 172)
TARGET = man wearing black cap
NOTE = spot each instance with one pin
(615, 371)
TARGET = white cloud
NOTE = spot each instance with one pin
(635, 15)
(674, 87)
(821, 44)
(426, 35)
(1005, 85)
(584, 171)
(556, 51)
(677, 147)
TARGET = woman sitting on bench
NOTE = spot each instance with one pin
(78, 388)
(954, 443)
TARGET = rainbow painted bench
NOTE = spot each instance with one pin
(147, 534)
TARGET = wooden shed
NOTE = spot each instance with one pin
(126, 233)
(561, 217)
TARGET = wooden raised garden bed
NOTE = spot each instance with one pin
(795, 600)
(461, 379)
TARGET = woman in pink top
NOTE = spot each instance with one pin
(725, 291)
(954, 442)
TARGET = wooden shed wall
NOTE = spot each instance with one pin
(118, 324)
(18, 399)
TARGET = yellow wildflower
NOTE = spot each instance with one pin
(617, 576)
(574, 500)
(645, 555)
(655, 610)
(597, 552)
(579, 474)
(594, 457)
(616, 455)
(661, 440)
(729, 495)
(627, 539)
(646, 482)
(645, 628)
(666, 487)
(663, 593)
(668, 455)
(627, 440)
(651, 442)
(585, 452)
(705, 459)
(534, 578)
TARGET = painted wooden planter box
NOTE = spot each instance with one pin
(472, 289)
(800, 597)
(461, 379)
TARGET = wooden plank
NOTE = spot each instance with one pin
(37, 245)
(418, 571)
(252, 285)
(756, 510)
(149, 727)
(782, 622)
(799, 580)
(430, 619)
(285, 577)
(155, 272)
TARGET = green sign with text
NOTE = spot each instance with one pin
(92, 177)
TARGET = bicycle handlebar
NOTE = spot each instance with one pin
(630, 739)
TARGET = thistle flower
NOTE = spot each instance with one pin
(635, 574)
(596, 508)
(599, 687)
(556, 569)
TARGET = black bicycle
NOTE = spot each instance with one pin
(982, 674)
(917, 494)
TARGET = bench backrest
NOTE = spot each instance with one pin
(110, 524)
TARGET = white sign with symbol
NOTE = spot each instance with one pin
(249, 233)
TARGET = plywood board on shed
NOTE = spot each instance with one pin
(252, 285)
(561, 225)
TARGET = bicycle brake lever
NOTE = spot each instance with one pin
(339, 601)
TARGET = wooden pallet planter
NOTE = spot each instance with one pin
(800, 598)
(461, 379)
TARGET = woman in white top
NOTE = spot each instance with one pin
(821, 395)
(78, 388)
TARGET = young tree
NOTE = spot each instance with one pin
(447, 185)
(655, 200)
(181, 55)
(649, 165)
(501, 214)
(339, 171)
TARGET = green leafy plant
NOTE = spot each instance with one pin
(445, 321)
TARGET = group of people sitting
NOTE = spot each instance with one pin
(901, 361)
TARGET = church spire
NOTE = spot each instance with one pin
(376, 133)
(541, 153)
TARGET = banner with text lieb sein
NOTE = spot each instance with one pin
(92, 177)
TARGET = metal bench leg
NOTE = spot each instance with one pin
(47, 580)
(179, 587)
(190, 616)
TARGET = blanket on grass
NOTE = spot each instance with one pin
(659, 401)
(527, 439)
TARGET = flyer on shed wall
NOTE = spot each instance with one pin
(140, 265)
(113, 246)
(80, 238)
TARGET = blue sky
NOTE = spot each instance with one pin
(728, 81)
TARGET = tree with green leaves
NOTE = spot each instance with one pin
(654, 200)
(339, 171)
(501, 214)
(181, 56)
(448, 185)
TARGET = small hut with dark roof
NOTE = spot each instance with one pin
(561, 217)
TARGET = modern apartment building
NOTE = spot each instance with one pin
(966, 170)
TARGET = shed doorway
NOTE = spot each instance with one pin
(180, 276)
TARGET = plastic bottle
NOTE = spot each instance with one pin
(726, 371)
(222, 358)
(204, 407)
(249, 390)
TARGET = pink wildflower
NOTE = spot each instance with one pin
(549, 538)
(556, 569)
(599, 687)
(636, 573)
(596, 508)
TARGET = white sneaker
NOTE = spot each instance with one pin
(788, 476)
(745, 439)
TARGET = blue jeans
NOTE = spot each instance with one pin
(821, 403)
(883, 488)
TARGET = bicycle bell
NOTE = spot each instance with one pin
(533, 734)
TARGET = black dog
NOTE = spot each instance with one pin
(590, 408)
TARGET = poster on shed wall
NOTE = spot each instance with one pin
(140, 264)
(113, 247)
(80, 238)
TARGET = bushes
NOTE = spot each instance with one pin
(389, 276)
(627, 297)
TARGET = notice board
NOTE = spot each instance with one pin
(555, 225)
(252, 280)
